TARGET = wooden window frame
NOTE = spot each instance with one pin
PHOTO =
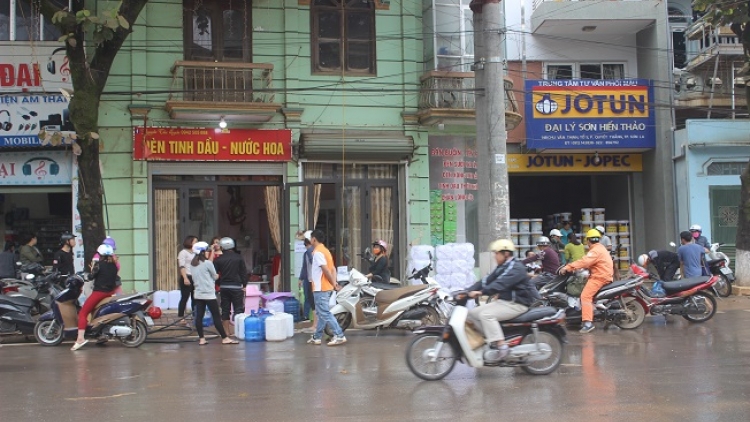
(315, 51)
(217, 42)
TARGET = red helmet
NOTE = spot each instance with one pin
(154, 312)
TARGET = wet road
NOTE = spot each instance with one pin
(664, 371)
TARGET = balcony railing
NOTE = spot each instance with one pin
(224, 82)
(452, 96)
(709, 42)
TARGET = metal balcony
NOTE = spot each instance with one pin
(211, 90)
(449, 98)
(711, 42)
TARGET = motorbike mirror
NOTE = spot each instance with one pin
(672, 244)
(29, 277)
(19, 263)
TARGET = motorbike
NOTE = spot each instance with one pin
(39, 295)
(23, 283)
(404, 307)
(535, 338)
(615, 303)
(121, 318)
(718, 265)
(16, 313)
(688, 297)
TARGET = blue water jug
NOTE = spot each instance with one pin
(207, 320)
(291, 306)
(253, 328)
(263, 314)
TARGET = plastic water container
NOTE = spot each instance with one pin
(173, 300)
(161, 299)
(288, 323)
(207, 320)
(275, 306)
(276, 328)
(252, 298)
(291, 307)
(252, 328)
(263, 314)
(239, 326)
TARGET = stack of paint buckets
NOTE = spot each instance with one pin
(524, 233)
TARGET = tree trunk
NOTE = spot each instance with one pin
(742, 260)
(84, 113)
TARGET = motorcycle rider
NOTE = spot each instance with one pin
(666, 263)
(104, 274)
(550, 261)
(379, 266)
(515, 292)
(606, 241)
(697, 233)
(63, 259)
(599, 263)
(557, 245)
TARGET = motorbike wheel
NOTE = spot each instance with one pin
(48, 333)
(344, 319)
(710, 308)
(137, 337)
(549, 365)
(638, 316)
(432, 317)
(723, 287)
(420, 351)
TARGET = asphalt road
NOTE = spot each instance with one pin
(664, 371)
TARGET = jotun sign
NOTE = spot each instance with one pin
(590, 114)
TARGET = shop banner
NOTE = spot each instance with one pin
(590, 114)
(186, 144)
(36, 168)
(574, 163)
(30, 97)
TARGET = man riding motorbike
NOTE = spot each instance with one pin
(515, 293)
(599, 263)
(550, 262)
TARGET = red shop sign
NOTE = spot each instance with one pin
(187, 144)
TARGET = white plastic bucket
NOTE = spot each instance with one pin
(513, 225)
(276, 329)
(610, 227)
(624, 239)
(599, 215)
(524, 225)
(625, 252)
(289, 323)
(515, 238)
(536, 225)
(624, 263)
(623, 226)
(535, 236)
(587, 214)
(524, 238)
(586, 226)
(566, 216)
(173, 299)
(161, 299)
(239, 326)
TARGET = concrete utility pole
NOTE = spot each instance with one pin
(494, 201)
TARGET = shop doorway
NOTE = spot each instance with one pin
(724, 216)
(354, 205)
(245, 208)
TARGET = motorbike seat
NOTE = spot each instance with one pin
(101, 303)
(386, 297)
(19, 301)
(713, 262)
(684, 284)
(385, 286)
(614, 285)
(533, 314)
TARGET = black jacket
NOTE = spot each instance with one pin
(104, 276)
(231, 269)
(380, 268)
(63, 262)
(510, 282)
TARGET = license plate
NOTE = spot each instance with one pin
(149, 321)
(726, 271)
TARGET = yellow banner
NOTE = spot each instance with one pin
(590, 102)
(574, 163)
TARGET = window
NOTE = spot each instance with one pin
(19, 21)
(343, 36)
(454, 35)
(218, 30)
(726, 168)
(586, 71)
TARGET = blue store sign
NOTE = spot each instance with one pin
(590, 114)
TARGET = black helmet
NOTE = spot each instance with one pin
(65, 237)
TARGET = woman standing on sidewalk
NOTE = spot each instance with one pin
(204, 280)
(185, 280)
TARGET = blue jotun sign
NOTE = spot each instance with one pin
(590, 114)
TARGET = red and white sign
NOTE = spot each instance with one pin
(191, 144)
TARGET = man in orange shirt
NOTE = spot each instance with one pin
(599, 263)
(322, 273)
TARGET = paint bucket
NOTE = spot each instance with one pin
(587, 214)
(524, 238)
(513, 225)
(625, 252)
(599, 215)
(624, 239)
(623, 226)
(586, 226)
(566, 216)
(536, 225)
(535, 236)
(624, 263)
(556, 219)
(611, 227)
(514, 237)
(524, 225)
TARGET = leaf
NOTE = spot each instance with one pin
(112, 23)
(98, 38)
(76, 149)
(123, 22)
(63, 38)
(72, 41)
(56, 139)
(94, 135)
(108, 34)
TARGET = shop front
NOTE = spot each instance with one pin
(215, 183)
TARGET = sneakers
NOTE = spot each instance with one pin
(587, 328)
(314, 341)
(337, 341)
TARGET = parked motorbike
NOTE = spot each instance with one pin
(535, 339)
(688, 297)
(404, 307)
(24, 280)
(616, 302)
(39, 295)
(121, 318)
(718, 264)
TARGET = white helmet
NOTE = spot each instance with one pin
(308, 235)
(643, 260)
(199, 247)
(105, 250)
(226, 243)
(601, 229)
(555, 232)
(543, 240)
(695, 228)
